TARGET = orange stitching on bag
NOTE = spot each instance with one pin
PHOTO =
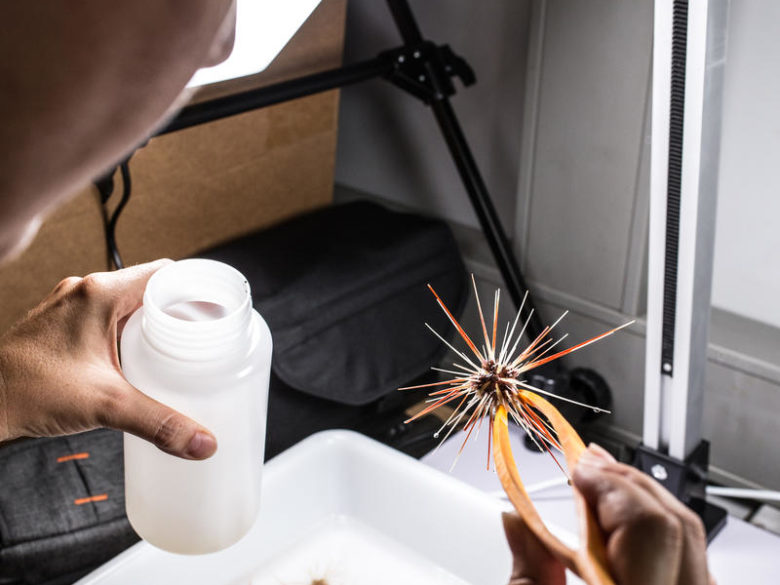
(98, 498)
(72, 457)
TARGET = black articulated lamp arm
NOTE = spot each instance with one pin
(285, 91)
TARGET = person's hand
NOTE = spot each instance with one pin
(60, 373)
(651, 537)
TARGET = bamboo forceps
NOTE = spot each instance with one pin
(589, 563)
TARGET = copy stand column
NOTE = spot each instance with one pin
(688, 62)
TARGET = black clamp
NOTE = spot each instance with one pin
(425, 70)
(687, 480)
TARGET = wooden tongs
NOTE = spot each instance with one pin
(590, 562)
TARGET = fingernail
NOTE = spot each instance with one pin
(602, 452)
(201, 446)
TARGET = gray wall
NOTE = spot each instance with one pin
(559, 123)
(577, 207)
(747, 251)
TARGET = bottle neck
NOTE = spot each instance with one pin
(197, 310)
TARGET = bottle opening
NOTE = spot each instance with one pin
(197, 309)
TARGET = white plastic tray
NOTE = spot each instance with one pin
(336, 487)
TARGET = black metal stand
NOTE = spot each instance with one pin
(422, 69)
(687, 480)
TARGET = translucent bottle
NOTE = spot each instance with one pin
(198, 346)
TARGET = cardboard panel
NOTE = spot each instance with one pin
(195, 188)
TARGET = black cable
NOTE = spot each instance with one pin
(105, 186)
(127, 187)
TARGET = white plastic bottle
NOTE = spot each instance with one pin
(198, 346)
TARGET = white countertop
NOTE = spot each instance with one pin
(741, 553)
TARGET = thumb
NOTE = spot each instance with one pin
(532, 563)
(163, 426)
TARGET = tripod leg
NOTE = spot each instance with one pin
(470, 175)
(483, 206)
